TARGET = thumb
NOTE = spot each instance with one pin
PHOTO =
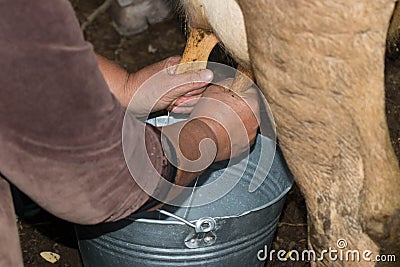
(191, 81)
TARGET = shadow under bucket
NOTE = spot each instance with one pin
(227, 232)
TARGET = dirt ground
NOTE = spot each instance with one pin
(44, 232)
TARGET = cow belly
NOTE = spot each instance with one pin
(225, 19)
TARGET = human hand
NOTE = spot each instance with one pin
(157, 93)
(233, 117)
(222, 125)
(158, 88)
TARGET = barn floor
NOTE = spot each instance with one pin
(43, 232)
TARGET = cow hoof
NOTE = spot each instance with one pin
(134, 16)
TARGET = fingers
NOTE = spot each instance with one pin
(171, 63)
(183, 86)
(188, 82)
(233, 110)
(164, 66)
(252, 98)
(185, 101)
(249, 96)
(185, 104)
(196, 91)
(182, 110)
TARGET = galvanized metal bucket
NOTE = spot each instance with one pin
(226, 232)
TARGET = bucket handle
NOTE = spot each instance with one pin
(202, 225)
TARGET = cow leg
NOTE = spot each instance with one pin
(321, 66)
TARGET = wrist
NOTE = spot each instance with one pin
(195, 146)
(223, 140)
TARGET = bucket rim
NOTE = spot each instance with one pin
(270, 203)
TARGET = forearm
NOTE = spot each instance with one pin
(60, 126)
(116, 78)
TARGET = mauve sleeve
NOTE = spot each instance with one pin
(60, 127)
